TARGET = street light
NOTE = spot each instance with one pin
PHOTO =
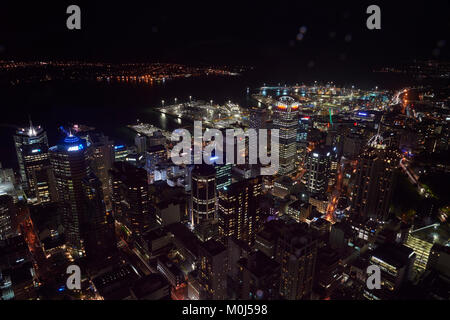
(162, 102)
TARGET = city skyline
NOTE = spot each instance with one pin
(247, 153)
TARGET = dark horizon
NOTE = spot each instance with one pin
(232, 33)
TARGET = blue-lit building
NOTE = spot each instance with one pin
(70, 163)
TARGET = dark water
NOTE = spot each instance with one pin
(110, 107)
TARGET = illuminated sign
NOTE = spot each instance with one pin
(75, 148)
(36, 150)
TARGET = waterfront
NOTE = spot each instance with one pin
(92, 103)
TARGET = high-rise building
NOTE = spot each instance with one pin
(239, 210)
(102, 159)
(7, 215)
(396, 264)
(70, 164)
(285, 118)
(258, 118)
(141, 143)
(32, 136)
(302, 137)
(374, 182)
(203, 194)
(155, 155)
(34, 164)
(223, 175)
(299, 210)
(259, 277)
(131, 202)
(296, 253)
(99, 235)
(318, 170)
(121, 152)
(212, 270)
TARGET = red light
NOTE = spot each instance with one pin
(355, 124)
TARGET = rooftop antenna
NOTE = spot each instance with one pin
(31, 131)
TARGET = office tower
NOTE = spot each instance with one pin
(374, 182)
(304, 123)
(299, 210)
(353, 143)
(98, 226)
(258, 118)
(7, 175)
(296, 252)
(70, 164)
(34, 164)
(318, 170)
(155, 155)
(157, 138)
(239, 210)
(131, 202)
(203, 194)
(140, 142)
(120, 152)
(7, 216)
(422, 247)
(223, 175)
(33, 137)
(259, 277)
(212, 270)
(285, 118)
(102, 159)
(396, 263)
(237, 250)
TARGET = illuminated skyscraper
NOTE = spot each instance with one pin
(302, 137)
(34, 164)
(131, 202)
(374, 181)
(239, 210)
(70, 161)
(258, 118)
(203, 194)
(318, 170)
(98, 226)
(296, 253)
(223, 175)
(285, 118)
(7, 215)
(213, 270)
(102, 159)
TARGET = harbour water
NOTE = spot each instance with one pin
(111, 107)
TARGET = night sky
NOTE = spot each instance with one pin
(222, 32)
